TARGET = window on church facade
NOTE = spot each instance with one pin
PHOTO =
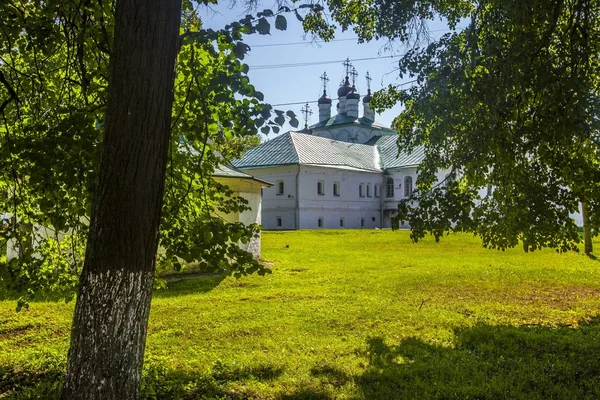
(389, 187)
(376, 190)
(361, 190)
(341, 222)
(362, 222)
(279, 222)
(321, 188)
(336, 188)
(408, 186)
(369, 190)
(280, 188)
(320, 222)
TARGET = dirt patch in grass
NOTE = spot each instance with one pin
(13, 332)
(560, 298)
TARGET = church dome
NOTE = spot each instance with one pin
(324, 99)
(367, 98)
(353, 94)
(345, 88)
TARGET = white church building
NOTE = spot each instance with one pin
(343, 172)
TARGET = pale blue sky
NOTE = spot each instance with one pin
(301, 84)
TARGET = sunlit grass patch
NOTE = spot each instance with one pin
(354, 314)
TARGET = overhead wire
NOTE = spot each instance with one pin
(324, 42)
(316, 101)
(312, 63)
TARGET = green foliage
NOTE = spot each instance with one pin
(54, 74)
(359, 314)
(510, 103)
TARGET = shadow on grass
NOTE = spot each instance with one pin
(18, 383)
(488, 362)
(162, 383)
(485, 362)
(192, 284)
(158, 382)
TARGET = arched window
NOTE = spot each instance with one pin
(389, 187)
(408, 186)
(320, 222)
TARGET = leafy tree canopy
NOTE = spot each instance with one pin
(510, 103)
(54, 69)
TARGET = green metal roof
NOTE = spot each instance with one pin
(379, 153)
(344, 119)
(390, 157)
(323, 151)
(277, 151)
(302, 148)
(229, 171)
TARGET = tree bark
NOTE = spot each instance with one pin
(111, 315)
(587, 229)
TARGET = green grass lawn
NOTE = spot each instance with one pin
(356, 315)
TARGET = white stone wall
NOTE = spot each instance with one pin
(348, 205)
(40, 233)
(274, 205)
(300, 206)
(251, 191)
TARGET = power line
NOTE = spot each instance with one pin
(316, 101)
(323, 42)
(294, 104)
(304, 42)
(308, 64)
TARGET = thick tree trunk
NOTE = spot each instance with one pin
(111, 315)
(587, 229)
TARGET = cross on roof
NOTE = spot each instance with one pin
(369, 79)
(354, 75)
(347, 64)
(306, 111)
(325, 80)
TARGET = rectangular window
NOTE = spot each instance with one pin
(320, 188)
(320, 222)
(279, 222)
(341, 222)
(361, 190)
(336, 188)
(362, 222)
(280, 188)
(369, 190)
(376, 190)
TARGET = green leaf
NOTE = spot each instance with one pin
(280, 120)
(263, 27)
(281, 23)
(240, 49)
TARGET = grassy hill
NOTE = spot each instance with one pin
(352, 314)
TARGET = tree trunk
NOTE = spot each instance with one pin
(111, 315)
(587, 229)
